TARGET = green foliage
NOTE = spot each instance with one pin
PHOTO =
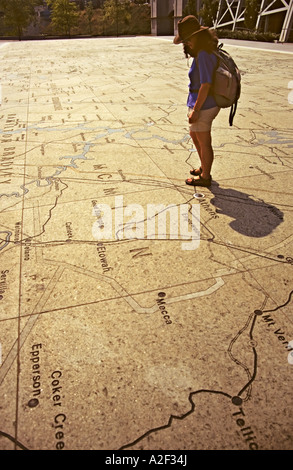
(251, 11)
(208, 11)
(247, 35)
(64, 15)
(89, 14)
(117, 11)
(18, 14)
(190, 8)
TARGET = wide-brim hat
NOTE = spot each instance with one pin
(187, 27)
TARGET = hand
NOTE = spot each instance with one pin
(193, 117)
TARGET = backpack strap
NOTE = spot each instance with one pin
(233, 110)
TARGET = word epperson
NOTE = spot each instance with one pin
(160, 222)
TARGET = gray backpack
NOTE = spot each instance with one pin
(226, 87)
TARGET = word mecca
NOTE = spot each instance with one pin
(155, 222)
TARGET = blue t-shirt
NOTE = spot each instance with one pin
(201, 71)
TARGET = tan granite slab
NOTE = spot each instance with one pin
(138, 341)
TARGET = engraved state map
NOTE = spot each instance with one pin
(132, 341)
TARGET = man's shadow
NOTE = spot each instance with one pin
(253, 217)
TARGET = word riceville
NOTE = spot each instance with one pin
(159, 222)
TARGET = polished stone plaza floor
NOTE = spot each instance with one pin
(137, 312)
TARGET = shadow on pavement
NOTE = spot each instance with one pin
(253, 217)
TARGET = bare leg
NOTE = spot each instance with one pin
(196, 143)
(193, 135)
(204, 141)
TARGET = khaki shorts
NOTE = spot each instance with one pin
(205, 119)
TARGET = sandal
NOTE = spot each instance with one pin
(196, 172)
(199, 181)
